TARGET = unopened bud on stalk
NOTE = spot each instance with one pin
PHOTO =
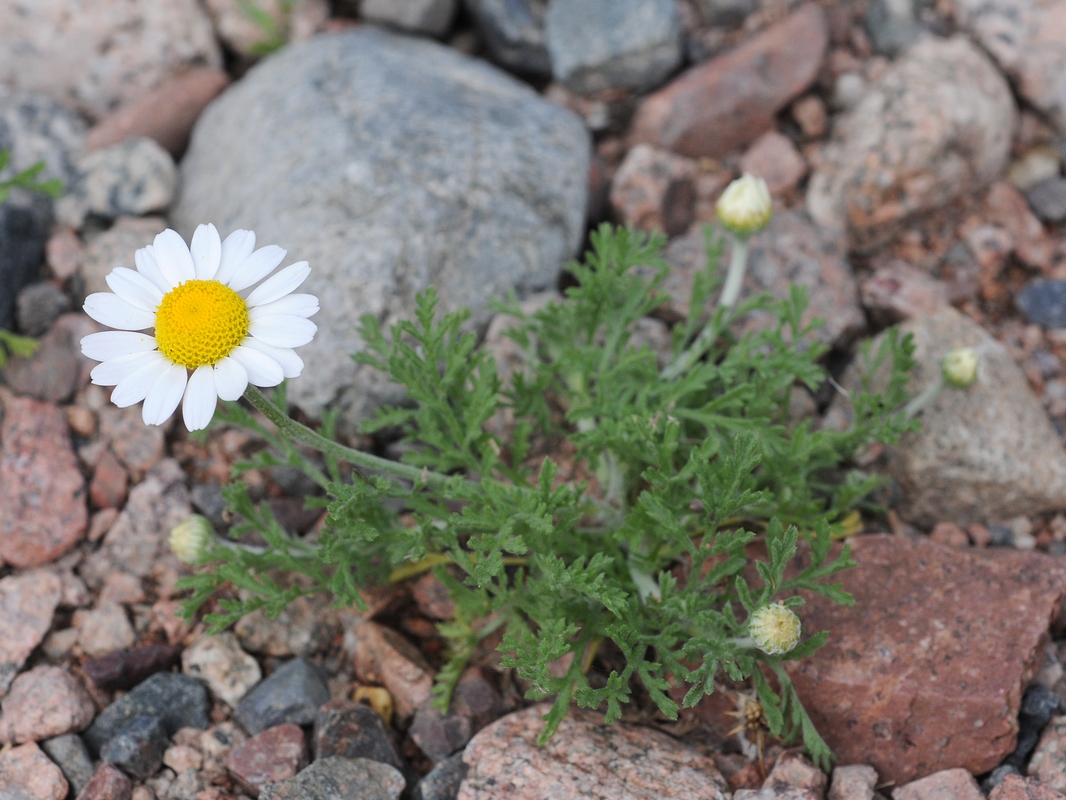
(745, 207)
(775, 629)
(190, 539)
(959, 367)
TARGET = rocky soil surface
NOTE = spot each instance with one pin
(914, 149)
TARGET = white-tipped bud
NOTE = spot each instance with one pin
(745, 207)
(959, 367)
(190, 539)
(775, 629)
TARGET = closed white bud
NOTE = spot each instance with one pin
(775, 629)
(745, 207)
(959, 367)
(189, 539)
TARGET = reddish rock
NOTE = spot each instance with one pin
(725, 103)
(776, 160)
(855, 782)
(382, 656)
(167, 113)
(137, 446)
(655, 189)
(897, 291)
(789, 252)
(585, 758)
(949, 784)
(110, 482)
(1015, 787)
(926, 671)
(810, 114)
(28, 774)
(1048, 764)
(1007, 206)
(44, 702)
(433, 598)
(42, 493)
(63, 253)
(103, 629)
(57, 369)
(107, 783)
(949, 534)
(124, 669)
(793, 770)
(27, 603)
(273, 755)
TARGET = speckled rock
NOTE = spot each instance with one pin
(240, 30)
(935, 126)
(989, 452)
(44, 702)
(776, 160)
(897, 291)
(138, 748)
(38, 305)
(103, 629)
(228, 671)
(1028, 41)
(389, 163)
(274, 755)
(114, 248)
(43, 512)
(956, 784)
(57, 369)
(1048, 764)
(789, 252)
(353, 730)
(124, 669)
(1043, 303)
(926, 671)
(382, 656)
(612, 44)
(443, 781)
(95, 61)
(717, 107)
(304, 627)
(513, 31)
(429, 17)
(27, 602)
(335, 777)
(131, 178)
(107, 783)
(584, 759)
(27, 774)
(853, 782)
(292, 693)
(1015, 787)
(655, 189)
(71, 755)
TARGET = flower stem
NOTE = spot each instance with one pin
(735, 277)
(925, 398)
(301, 434)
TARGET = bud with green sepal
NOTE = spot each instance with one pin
(189, 540)
(744, 209)
(775, 629)
(958, 369)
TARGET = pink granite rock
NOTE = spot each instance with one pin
(27, 603)
(380, 655)
(42, 492)
(28, 774)
(271, 756)
(44, 702)
(655, 189)
(948, 784)
(776, 160)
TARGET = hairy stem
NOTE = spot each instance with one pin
(735, 277)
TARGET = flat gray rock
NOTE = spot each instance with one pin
(391, 164)
(334, 777)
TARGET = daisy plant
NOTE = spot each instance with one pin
(631, 533)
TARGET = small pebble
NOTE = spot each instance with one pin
(353, 730)
(43, 703)
(336, 777)
(27, 774)
(1047, 198)
(443, 781)
(139, 748)
(109, 783)
(219, 661)
(274, 755)
(292, 694)
(71, 756)
(124, 669)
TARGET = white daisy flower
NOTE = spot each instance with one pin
(207, 320)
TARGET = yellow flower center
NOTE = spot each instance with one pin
(200, 322)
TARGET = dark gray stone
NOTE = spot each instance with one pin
(513, 31)
(729, 13)
(72, 758)
(138, 749)
(38, 306)
(292, 693)
(1043, 303)
(1047, 198)
(606, 44)
(443, 781)
(439, 735)
(25, 222)
(179, 701)
(893, 25)
(1038, 705)
(997, 776)
(431, 17)
(391, 164)
(333, 777)
(353, 730)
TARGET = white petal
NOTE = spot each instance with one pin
(173, 257)
(283, 330)
(291, 364)
(134, 288)
(299, 305)
(112, 371)
(236, 247)
(262, 369)
(112, 344)
(111, 310)
(149, 268)
(231, 379)
(135, 386)
(256, 267)
(164, 395)
(277, 286)
(206, 252)
(200, 399)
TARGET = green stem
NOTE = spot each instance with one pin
(925, 398)
(734, 280)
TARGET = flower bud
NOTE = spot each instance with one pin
(189, 539)
(959, 367)
(775, 629)
(745, 206)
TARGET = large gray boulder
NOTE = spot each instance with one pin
(391, 164)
